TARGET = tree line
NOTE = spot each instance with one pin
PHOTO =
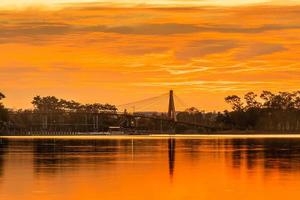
(266, 111)
(3, 112)
(54, 111)
(71, 113)
(53, 104)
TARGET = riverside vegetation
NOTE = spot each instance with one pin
(264, 112)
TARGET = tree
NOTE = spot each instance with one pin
(2, 96)
(3, 112)
(192, 110)
(49, 103)
(268, 97)
(277, 112)
(251, 101)
(53, 104)
(296, 99)
(286, 100)
(235, 102)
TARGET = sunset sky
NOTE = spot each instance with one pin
(129, 50)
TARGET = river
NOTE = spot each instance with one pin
(149, 168)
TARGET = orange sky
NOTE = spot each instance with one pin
(96, 53)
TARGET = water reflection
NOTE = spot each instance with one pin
(50, 155)
(171, 149)
(281, 154)
(3, 149)
(140, 164)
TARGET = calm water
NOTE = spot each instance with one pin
(147, 168)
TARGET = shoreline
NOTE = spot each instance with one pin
(162, 136)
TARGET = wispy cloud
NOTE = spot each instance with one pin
(259, 49)
(51, 28)
(186, 71)
(198, 83)
(204, 47)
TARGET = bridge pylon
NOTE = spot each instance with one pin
(171, 111)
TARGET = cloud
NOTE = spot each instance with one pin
(259, 49)
(40, 29)
(145, 21)
(35, 29)
(177, 28)
(239, 29)
(212, 86)
(181, 28)
(44, 28)
(18, 70)
(187, 71)
(147, 29)
(97, 4)
(136, 50)
(204, 47)
(23, 70)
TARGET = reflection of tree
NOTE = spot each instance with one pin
(236, 154)
(252, 154)
(3, 150)
(192, 148)
(281, 154)
(244, 150)
(52, 155)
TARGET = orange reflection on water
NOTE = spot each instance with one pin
(144, 168)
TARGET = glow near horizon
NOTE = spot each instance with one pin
(26, 3)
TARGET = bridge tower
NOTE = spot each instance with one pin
(171, 111)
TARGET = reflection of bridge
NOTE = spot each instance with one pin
(132, 122)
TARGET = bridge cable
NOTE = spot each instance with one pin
(144, 102)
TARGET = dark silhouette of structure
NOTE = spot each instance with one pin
(171, 111)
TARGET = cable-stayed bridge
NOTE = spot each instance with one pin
(157, 114)
(160, 103)
(145, 109)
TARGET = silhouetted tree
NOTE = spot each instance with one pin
(279, 111)
(53, 104)
(266, 111)
(235, 102)
(2, 96)
(61, 113)
(47, 104)
(3, 112)
(251, 101)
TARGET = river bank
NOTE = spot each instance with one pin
(159, 136)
